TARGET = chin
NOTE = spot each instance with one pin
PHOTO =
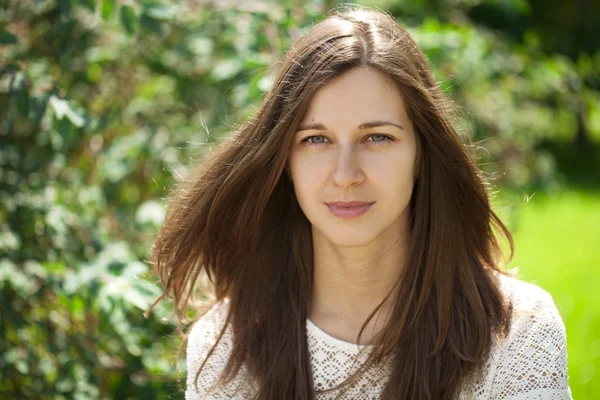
(344, 237)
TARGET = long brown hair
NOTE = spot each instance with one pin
(236, 220)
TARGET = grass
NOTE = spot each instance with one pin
(557, 247)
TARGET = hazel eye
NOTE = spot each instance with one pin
(316, 139)
(378, 137)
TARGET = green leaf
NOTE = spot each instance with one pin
(23, 101)
(56, 268)
(17, 82)
(107, 8)
(62, 109)
(65, 6)
(38, 107)
(133, 296)
(6, 37)
(150, 212)
(90, 4)
(150, 24)
(129, 19)
(18, 88)
(64, 128)
(159, 11)
(202, 46)
(13, 275)
(226, 69)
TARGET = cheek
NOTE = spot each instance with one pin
(307, 169)
(393, 177)
(307, 184)
(396, 166)
(304, 173)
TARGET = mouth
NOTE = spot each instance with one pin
(349, 210)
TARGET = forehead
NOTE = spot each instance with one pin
(360, 95)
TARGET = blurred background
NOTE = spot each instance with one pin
(106, 104)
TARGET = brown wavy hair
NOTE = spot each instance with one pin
(236, 220)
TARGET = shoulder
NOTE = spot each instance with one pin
(525, 296)
(532, 360)
(533, 312)
(202, 338)
(205, 331)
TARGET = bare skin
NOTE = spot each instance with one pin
(336, 157)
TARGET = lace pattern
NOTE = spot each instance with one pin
(531, 363)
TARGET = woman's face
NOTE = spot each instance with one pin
(355, 143)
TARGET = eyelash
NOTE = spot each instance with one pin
(370, 142)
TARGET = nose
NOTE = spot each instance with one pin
(347, 171)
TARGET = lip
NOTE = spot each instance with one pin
(349, 209)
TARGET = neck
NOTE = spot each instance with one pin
(350, 282)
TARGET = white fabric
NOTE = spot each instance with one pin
(531, 363)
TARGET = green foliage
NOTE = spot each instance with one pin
(512, 97)
(105, 105)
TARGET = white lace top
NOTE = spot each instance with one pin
(531, 363)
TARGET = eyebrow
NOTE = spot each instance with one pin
(366, 125)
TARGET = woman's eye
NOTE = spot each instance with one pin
(316, 139)
(378, 138)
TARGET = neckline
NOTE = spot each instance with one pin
(318, 332)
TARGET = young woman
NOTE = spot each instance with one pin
(349, 241)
